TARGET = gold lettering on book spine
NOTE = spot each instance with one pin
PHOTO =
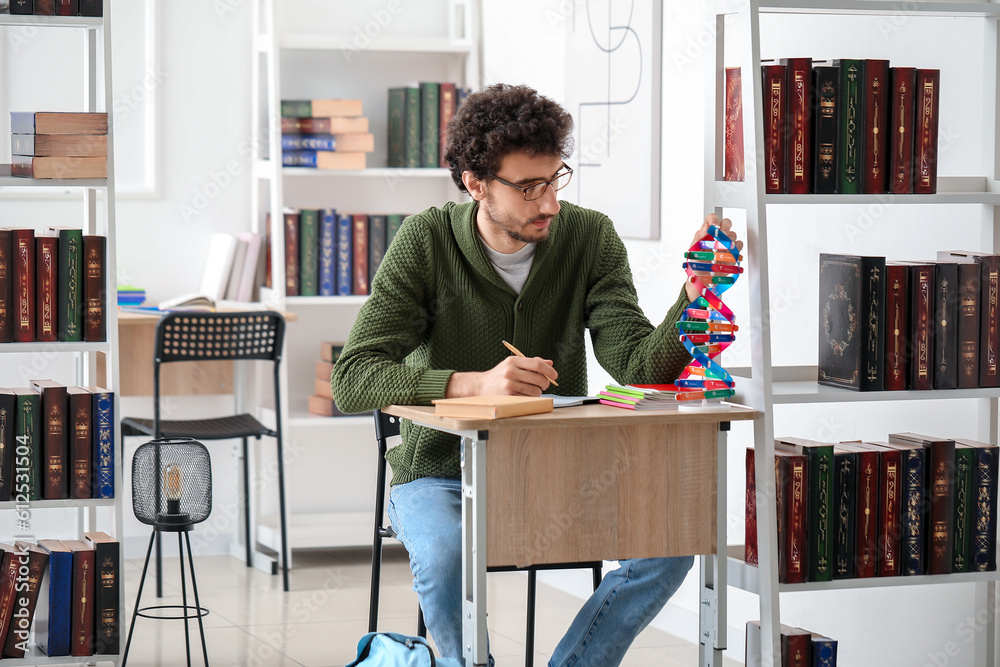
(823, 534)
(944, 296)
(876, 100)
(993, 279)
(900, 154)
(774, 134)
(940, 489)
(47, 320)
(799, 144)
(926, 111)
(914, 510)
(961, 508)
(843, 515)
(798, 505)
(923, 335)
(4, 417)
(23, 313)
(72, 292)
(867, 555)
(891, 502)
(874, 358)
(850, 150)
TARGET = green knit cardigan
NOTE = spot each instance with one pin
(438, 306)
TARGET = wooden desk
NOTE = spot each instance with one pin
(591, 483)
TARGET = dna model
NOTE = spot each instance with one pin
(707, 326)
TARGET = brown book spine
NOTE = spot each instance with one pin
(68, 7)
(866, 537)
(447, 105)
(6, 287)
(29, 578)
(904, 84)
(798, 564)
(107, 616)
(8, 587)
(84, 588)
(775, 105)
(24, 285)
(968, 325)
(314, 125)
(941, 514)
(360, 249)
(781, 511)
(290, 125)
(55, 456)
(95, 293)
(798, 146)
(46, 260)
(734, 169)
(925, 147)
(922, 326)
(889, 508)
(897, 327)
(81, 440)
(750, 539)
(291, 253)
(45, 7)
(875, 155)
(796, 649)
(989, 325)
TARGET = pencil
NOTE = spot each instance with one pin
(521, 354)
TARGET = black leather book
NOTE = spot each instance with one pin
(946, 308)
(845, 491)
(922, 327)
(826, 81)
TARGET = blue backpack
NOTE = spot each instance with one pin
(392, 649)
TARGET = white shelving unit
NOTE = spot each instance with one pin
(764, 386)
(290, 64)
(98, 218)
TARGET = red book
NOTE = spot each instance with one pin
(925, 147)
(904, 86)
(794, 477)
(29, 579)
(875, 146)
(55, 399)
(46, 261)
(291, 252)
(45, 7)
(796, 647)
(866, 535)
(360, 222)
(750, 540)
(81, 615)
(81, 441)
(23, 245)
(921, 326)
(95, 293)
(6, 288)
(890, 536)
(8, 586)
(68, 7)
(798, 146)
(447, 106)
(735, 169)
(897, 328)
(775, 105)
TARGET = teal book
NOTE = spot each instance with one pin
(851, 125)
(430, 124)
(396, 141)
(27, 467)
(411, 128)
(819, 506)
(328, 252)
(309, 252)
(393, 222)
(69, 292)
(376, 244)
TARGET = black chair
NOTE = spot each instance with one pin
(194, 337)
(172, 491)
(387, 426)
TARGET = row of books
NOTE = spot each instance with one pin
(75, 608)
(52, 286)
(799, 648)
(325, 134)
(851, 126)
(893, 325)
(53, 7)
(912, 505)
(56, 442)
(321, 402)
(418, 122)
(59, 144)
(334, 254)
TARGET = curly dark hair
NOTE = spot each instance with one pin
(500, 120)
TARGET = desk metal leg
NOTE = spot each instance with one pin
(712, 611)
(474, 549)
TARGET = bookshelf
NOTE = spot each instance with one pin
(764, 385)
(358, 56)
(80, 363)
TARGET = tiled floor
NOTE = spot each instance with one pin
(252, 623)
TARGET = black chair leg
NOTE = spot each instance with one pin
(529, 631)
(138, 597)
(281, 512)
(597, 576)
(376, 579)
(197, 600)
(246, 504)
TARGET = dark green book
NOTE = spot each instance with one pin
(851, 124)
(411, 128)
(296, 108)
(27, 479)
(965, 467)
(820, 505)
(69, 318)
(397, 128)
(376, 244)
(430, 122)
(393, 222)
(984, 521)
(309, 252)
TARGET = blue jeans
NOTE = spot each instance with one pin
(427, 516)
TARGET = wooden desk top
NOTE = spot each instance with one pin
(581, 415)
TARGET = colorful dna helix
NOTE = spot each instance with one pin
(707, 326)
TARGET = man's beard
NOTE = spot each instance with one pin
(509, 225)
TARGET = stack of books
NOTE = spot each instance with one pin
(321, 402)
(59, 145)
(418, 122)
(640, 397)
(324, 134)
(798, 647)
(130, 296)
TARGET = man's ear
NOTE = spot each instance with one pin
(476, 187)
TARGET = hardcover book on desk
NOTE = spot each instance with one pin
(491, 407)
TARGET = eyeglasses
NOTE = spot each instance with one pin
(536, 190)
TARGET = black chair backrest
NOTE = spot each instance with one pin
(386, 426)
(192, 336)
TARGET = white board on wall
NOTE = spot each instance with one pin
(613, 51)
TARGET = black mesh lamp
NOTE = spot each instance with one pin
(172, 491)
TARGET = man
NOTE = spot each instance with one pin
(514, 264)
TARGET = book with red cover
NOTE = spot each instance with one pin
(45, 7)
(887, 517)
(360, 248)
(750, 524)
(826, 84)
(81, 441)
(866, 510)
(989, 323)
(925, 147)
(921, 361)
(734, 168)
(941, 498)
(876, 91)
(6, 288)
(46, 261)
(798, 146)
(25, 599)
(291, 217)
(904, 83)
(95, 293)
(68, 7)
(23, 247)
(81, 618)
(8, 586)
(913, 506)
(796, 647)
(447, 105)
(55, 400)
(794, 478)
(775, 107)
(897, 325)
